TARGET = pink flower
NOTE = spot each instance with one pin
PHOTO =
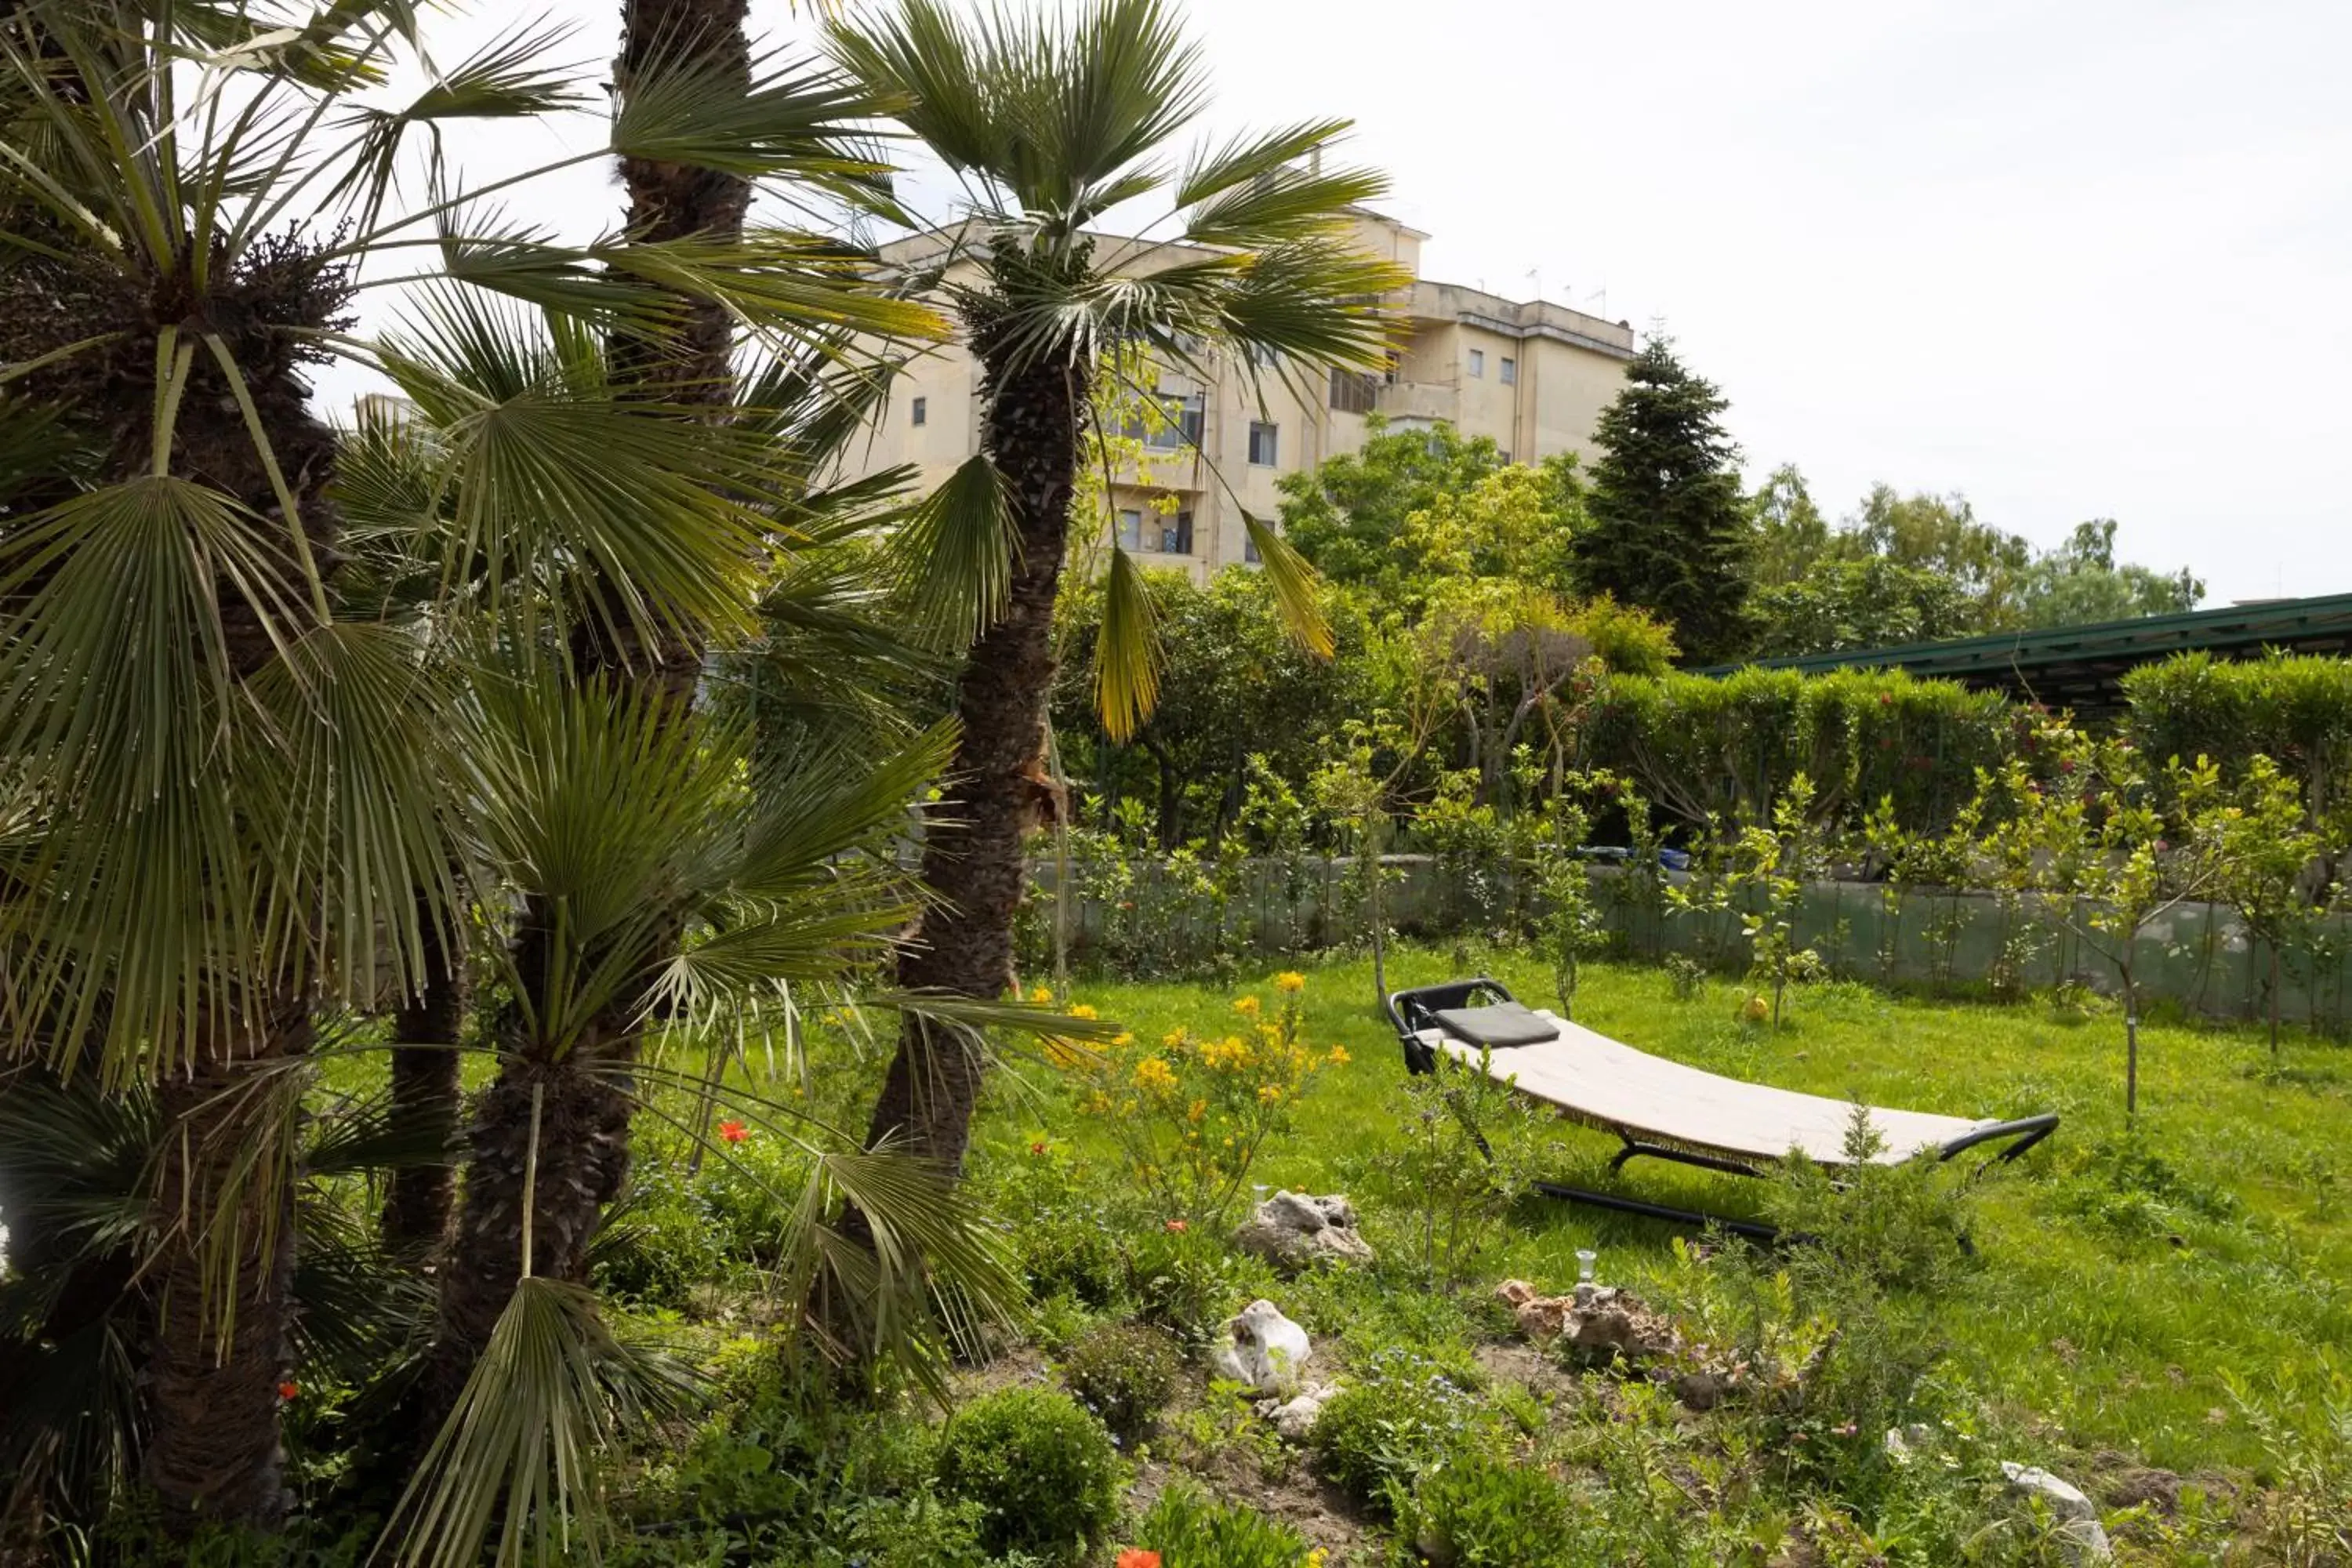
(1177, 1225)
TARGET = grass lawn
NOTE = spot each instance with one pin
(2116, 1298)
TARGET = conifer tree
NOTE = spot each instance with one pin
(1669, 531)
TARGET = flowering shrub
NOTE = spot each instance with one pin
(1191, 1112)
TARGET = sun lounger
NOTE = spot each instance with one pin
(1663, 1109)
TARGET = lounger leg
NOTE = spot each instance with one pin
(1689, 1219)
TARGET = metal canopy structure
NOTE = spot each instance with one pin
(2080, 667)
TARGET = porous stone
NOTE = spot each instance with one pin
(2079, 1531)
(1295, 1230)
(1263, 1350)
(1295, 1418)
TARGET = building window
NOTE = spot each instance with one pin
(1504, 453)
(1176, 534)
(1178, 424)
(1510, 371)
(1249, 549)
(1395, 368)
(1263, 443)
(1353, 391)
(1478, 363)
(1131, 529)
(921, 409)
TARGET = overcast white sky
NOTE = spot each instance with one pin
(2091, 257)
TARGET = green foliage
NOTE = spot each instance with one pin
(1348, 515)
(1466, 1148)
(1190, 1529)
(1406, 1415)
(1770, 868)
(1125, 1373)
(1841, 605)
(1871, 1225)
(1669, 531)
(1042, 1471)
(1482, 1511)
(1728, 748)
(2296, 709)
(2079, 582)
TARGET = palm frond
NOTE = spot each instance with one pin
(1128, 653)
(1292, 577)
(954, 555)
(797, 120)
(521, 1457)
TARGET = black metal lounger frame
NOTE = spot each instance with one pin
(1410, 1012)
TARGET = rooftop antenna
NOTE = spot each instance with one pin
(1536, 275)
(1601, 294)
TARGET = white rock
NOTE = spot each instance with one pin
(1294, 1420)
(2079, 1531)
(1294, 1230)
(1266, 1350)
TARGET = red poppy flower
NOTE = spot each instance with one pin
(1136, 1557)
(1178, 1225)
(1037, 1148)
(289, 1389)
(733, 1131)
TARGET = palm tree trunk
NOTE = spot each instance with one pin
(425, 1092)
(220, 1354)
(587, 1094)
(999, 791)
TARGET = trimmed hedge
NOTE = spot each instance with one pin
(1700, 745)
(2296, 708)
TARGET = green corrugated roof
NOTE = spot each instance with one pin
(2079, 664)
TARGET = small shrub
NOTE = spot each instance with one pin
(1190, 1114)
(1124, 1373)
(1041, 1470)
(1687, 974)
(658, 1244)
(1406, 1416)
(1468, 1147)
(1485, 1512)
(1188, 1529)
(1888, 1227)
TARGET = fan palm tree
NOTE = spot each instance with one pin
(1049, 121)
(225, 781)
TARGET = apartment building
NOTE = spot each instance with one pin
(1531, 375)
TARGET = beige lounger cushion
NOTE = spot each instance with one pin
(1600, 1081)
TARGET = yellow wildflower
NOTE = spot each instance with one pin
(1268, 1093)
(1338, 1056)
(1246, 1006)
(1172, 1037)
(1152, 1074)
(1290, 980)
(1041, 994)
(1123, 1037)
(1083, 1010)
(1200, 1108)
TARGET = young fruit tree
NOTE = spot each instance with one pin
(2090, 832)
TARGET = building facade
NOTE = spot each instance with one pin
(1532, 376)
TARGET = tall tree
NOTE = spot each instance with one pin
(1670, 531)
(1049, 119)
(1346, 515)
(226, 767)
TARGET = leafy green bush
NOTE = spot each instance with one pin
(1729, 746)
(2294, 709)
(1405, 1416)
(1042, 1471)
(1188, 1529)
(1124, 1373)
(658, 1243)
(1486, 1512)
